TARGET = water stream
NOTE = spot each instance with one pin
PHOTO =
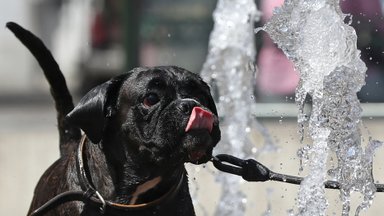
(229, 70)
(313, 34)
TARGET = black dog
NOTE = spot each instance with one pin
(140, 128)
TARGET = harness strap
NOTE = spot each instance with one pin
(61, 199)
(253, 171)
(91, 196)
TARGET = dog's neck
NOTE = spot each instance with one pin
(128, 183)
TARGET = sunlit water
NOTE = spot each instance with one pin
(313, 34)
(229, 70)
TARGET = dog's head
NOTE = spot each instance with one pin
(161, 114)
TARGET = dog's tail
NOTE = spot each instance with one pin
(63, 100)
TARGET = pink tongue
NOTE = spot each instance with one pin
(200, 119)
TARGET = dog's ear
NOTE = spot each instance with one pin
(94, 109)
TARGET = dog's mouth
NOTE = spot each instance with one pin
(198, 156)
(200, 119)
(198, 129)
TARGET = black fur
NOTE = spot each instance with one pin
(136, 126)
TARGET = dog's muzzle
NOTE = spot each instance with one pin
(200, 124)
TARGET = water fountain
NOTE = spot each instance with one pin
(313, 34)
(228, 68)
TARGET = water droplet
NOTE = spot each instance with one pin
(284, 29)
(290, 212)
(258, 29)
(351, 152)
(254, 150)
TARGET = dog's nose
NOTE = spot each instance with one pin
(186, 105)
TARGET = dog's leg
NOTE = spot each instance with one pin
(59, 90)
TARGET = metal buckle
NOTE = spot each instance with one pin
(103, 203)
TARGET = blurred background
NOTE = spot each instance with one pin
(93, 40)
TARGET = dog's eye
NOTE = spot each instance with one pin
(151, 99)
